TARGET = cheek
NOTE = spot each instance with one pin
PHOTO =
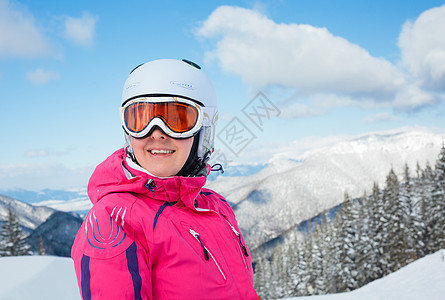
(186, 147)
(138, 145)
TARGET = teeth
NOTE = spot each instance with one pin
(161, 151)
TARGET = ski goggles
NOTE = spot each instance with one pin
(177, 117)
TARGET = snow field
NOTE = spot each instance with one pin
(37, 278)
(423, 279)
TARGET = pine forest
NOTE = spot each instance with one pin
(368, 238)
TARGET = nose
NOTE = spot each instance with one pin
(158, 134)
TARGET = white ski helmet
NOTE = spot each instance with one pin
(184, 80)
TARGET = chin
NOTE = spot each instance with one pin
(162, 173)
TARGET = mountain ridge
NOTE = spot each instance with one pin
(278, 198)
(29, 216)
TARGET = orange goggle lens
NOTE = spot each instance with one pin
(179, 117)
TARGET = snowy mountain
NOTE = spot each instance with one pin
(29, 216)
(289, 191)
(56, 228)
(51, 278)
(63, 200)
(57, 234)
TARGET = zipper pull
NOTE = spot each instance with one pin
(239, 238)
(196, 235)
(151, 185)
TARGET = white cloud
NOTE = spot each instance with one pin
(317, 104)
(46, 152)
(301, 110)
(20, 36)
(422, 46)
(81, 30)
(36, 153)
(308, 58)
(41, 76)
(380, 117)
(327, 70)
(412, 98)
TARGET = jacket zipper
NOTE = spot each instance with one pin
(151, 186)
(243, 248)
(207, 253)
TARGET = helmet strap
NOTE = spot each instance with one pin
(129, 148)
(193, 164)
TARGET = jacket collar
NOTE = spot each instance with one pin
(171, 189)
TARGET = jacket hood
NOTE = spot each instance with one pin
(114, 175)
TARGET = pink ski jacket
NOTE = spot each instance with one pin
(152, 238)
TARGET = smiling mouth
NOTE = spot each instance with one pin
(158, 152)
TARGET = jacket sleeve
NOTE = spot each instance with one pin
(109, 263)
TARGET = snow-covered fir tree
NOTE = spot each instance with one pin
(332, 257)
(279, 264)
(379, 234)
(301, 269)
(324, 241)
(310, 276)
(349, 241)
(418, 229)
(396, 243)
(291, 253)
(426, 198)
(408, 201)
(365, 250)
(42, 250)
(12, 239)
(316, 264)
(263, 278)
(438, 198)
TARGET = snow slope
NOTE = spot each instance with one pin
(422, 279)
(37, 278)
(53, 278)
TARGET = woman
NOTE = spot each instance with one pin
(154, 232)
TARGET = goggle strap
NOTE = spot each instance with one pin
(210, 114)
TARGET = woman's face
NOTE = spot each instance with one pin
(160, 154)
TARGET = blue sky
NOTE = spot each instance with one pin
(324, 69)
